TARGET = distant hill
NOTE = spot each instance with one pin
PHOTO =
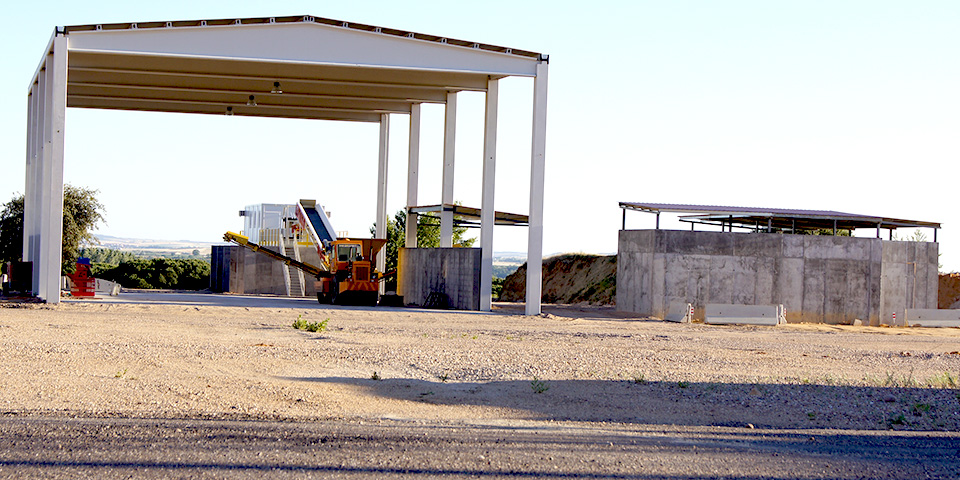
(153, 248)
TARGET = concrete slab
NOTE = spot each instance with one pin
(931, 317)
(679, 313)
(722, 314)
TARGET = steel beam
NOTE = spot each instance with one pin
(413, 176)
(537, 167)
(382, 190)
(487, 212)
(449, 154)
(49, 215)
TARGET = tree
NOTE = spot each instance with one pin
(81, 214)
(428, 236)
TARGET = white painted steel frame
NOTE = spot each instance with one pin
(413, 175)
(382, 164)
(166, 67)
(449, 157)
(537, 167)
(487, 209)
(43, 198)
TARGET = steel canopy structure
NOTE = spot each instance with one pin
(292, 67)
(775, 219)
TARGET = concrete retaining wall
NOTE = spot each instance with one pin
(454, 272)
(817, 278)
(238, 270)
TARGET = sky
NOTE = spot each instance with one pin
(823, 105)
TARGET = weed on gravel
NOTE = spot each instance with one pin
(302, 324)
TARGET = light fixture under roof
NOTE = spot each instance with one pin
(276, 89)
(229, 111)
(251, 102)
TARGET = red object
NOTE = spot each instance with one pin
(82, 283)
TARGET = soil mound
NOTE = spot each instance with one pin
(569, 278)
(948, 295)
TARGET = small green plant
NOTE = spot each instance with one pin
(443, 378)
(120, 373)
(375, 376)
(683, 384)
(640, 378)
(898, 419)
(302, 324)
(539, 386)
(920, 408)
(811, 416)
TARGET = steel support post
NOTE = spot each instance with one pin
(31, 188)
(413, 176)
(449, 150)
(487, 208)
(382, 190)
(51, 175)
(537, 167)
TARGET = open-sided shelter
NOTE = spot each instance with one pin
(295, 67)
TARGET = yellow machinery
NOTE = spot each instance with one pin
(347, 277)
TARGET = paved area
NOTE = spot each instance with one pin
(56, 448)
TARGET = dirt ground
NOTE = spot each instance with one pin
(948, 293)
(570, 366)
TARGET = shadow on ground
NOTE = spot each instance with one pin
(690, 404)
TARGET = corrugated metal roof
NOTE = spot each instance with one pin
(777, 217)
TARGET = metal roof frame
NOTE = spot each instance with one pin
(753, 218)
(469, 216)
(289, 67)
(326, 68)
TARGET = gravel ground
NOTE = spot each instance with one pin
(572, 368)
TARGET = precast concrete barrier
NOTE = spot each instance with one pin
(722, 314)
(106, 287)
(679, 312)
(931, 317)
(102, 287)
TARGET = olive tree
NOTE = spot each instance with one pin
(82, 212)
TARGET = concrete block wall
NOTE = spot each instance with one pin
(817, 278)
(242, 271)
(451, 271)
(909, 279)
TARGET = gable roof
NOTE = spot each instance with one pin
(325, 68)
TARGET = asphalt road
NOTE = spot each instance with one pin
(49, 447)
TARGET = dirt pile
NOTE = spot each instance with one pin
(569, 278)
(948, 294)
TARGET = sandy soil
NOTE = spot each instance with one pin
(572, 364)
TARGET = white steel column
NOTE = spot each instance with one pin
(413, 175)
(51, 175)
(537, 164)
(30, 202)
(382, 190)
(449, 147)
(487, 214)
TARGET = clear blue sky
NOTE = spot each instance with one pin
(844, 105)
